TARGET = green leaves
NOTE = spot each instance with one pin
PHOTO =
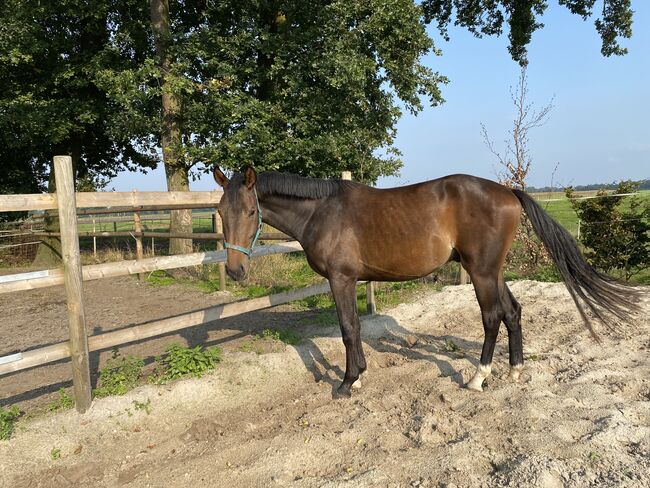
(184, 361)
(615, 230)
(523, 17)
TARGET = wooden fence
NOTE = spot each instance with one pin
(72, 275)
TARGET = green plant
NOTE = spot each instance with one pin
(7, 421)
(64, 402)
(121, 374)
(615, 230)
(450, 346)
(184, 361)
(548, 273)
(146, 406)
(55, 453)
(283, 335)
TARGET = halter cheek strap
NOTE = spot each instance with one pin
(249, 250)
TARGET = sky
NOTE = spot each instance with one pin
(597, 131)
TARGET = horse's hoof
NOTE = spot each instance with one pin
(515, 372)
(343, 391)
(482, 372)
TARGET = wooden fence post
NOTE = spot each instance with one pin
(137, 227)
(464, 276)
(217, 228)
(65, 194)
(371, 305)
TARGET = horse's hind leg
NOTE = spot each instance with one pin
(486, 287)
(345, 295)
(512, 321)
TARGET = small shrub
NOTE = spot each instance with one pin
(64, 402)
(55, 453)
(184, 361)
(7, 421)
(120, 375)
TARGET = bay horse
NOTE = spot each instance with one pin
(351, 232)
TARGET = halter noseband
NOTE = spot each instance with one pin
(249, 250)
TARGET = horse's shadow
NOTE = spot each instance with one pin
(384, 334)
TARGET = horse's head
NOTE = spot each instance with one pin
(240, 212)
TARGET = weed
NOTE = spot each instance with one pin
(64, 402)
(55, 453)
(7, 421)
(121, 374)
(146, 406)
(184, 361)
(249, 346)
(594, 457)
(450, 346)
(287, 336)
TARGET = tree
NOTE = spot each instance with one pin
(487, 17)
(615, 230)
(49, 103)
(516, 160)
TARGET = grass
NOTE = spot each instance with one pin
(286, 336)
(63, 402)
(8, 420)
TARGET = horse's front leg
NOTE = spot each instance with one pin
(345, 295)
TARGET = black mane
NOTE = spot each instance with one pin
(290, 185)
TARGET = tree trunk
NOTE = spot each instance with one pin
(48, 254)
(176, 170)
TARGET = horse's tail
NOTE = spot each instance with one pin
(587, 286)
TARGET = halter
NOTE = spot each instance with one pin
(249, 250)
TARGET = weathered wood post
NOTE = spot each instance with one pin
(94, 239)
(464, 276)
(217, 228)
(371, 305)
(65, 195)
(137, 227)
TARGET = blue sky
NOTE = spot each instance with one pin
(598, 130)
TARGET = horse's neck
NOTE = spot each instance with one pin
(287, 215)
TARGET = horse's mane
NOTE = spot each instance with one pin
(290, 185)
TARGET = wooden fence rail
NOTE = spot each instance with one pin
(158, 199)
(67, 203)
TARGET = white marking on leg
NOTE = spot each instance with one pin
(357, 384)
(482, 372)
(515, 372)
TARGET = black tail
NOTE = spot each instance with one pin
(587, 286)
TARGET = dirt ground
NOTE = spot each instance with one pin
(580, 416)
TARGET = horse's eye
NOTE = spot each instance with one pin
(251, 213)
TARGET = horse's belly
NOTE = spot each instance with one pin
(406, 260)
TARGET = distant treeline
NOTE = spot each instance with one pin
(645, 185)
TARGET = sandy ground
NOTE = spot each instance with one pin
(580, 417)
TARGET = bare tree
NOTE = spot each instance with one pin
(515, 162)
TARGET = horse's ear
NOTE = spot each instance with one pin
(250, 177)
(221, 179)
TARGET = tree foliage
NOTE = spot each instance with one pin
(307, 87)
(615, 230)
(50, 53)
(523, 18)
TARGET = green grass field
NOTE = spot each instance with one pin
(559, 207)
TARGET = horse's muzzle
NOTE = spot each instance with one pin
(237, 273)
